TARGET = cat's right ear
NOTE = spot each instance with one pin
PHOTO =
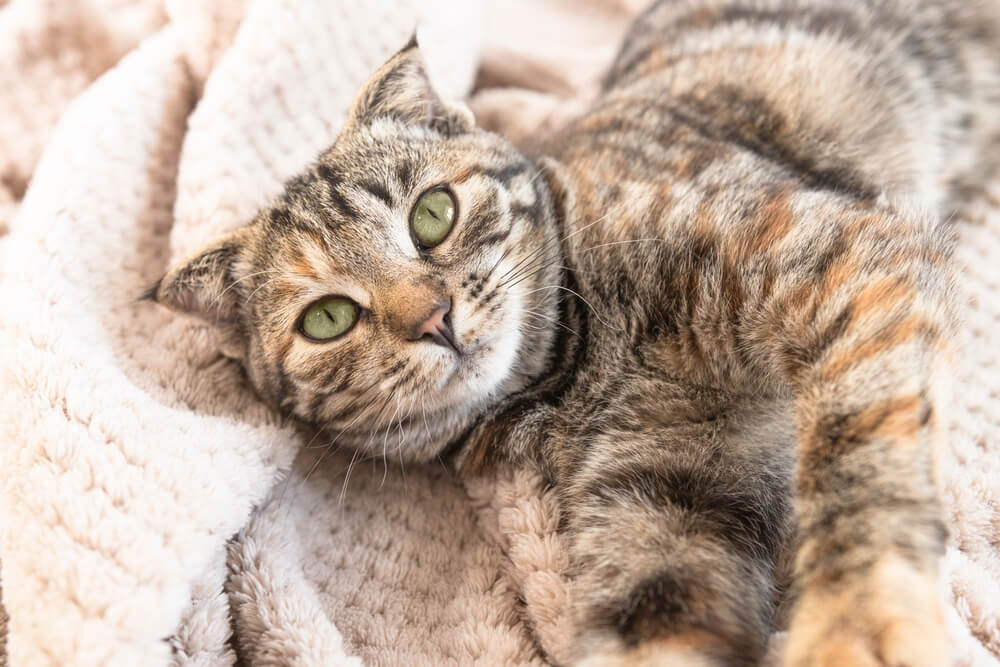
(401, 89)
(202, 285)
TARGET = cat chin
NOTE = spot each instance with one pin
(480, 375)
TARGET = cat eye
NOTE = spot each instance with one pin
(328, 318)
(432, 217)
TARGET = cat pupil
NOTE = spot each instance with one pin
(329, 318)
(433, 217)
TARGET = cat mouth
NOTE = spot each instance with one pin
(465, 359)
(448, 340)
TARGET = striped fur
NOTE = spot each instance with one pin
(712, 311)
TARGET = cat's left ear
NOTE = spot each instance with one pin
(202, 285)
(402, 89)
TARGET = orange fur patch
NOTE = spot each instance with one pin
(773, 224)
(877, 344)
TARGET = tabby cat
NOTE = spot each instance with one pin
(712, 311)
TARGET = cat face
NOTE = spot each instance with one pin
(399, 286)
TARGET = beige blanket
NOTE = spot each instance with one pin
(153, 512)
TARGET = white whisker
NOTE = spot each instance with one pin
(579, 296)
(233, 284)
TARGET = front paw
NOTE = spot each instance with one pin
(891, 616)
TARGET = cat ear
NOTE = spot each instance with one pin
(402, 89)
(202, 284)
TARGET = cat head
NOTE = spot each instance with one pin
(400, 285)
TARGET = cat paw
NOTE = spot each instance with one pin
(890, 617)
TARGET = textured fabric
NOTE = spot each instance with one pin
(133, 453)
(50, 51)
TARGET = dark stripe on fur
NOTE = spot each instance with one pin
(337, 200)
(379, 191)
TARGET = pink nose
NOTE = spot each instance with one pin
(437, 328)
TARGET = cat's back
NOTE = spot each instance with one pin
(851, 95)
(728, 131)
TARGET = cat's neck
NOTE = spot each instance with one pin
(513, 427)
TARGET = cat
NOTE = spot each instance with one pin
(714, 311)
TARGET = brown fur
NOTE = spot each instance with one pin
(712, 311)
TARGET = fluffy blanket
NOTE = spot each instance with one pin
(153, 512)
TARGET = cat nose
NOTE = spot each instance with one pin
(436, 327)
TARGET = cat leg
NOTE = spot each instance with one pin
(859, 331)
(673, 542)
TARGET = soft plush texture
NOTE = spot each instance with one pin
(153, 511)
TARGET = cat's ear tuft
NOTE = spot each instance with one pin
(411, 43)
(402, 89)
(202, 285)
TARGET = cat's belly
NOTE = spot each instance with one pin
(626, 398)
(662, 440)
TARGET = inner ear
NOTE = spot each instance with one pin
(401, 89)
(204, 285)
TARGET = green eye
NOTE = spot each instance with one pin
(432, 217)
(329, 318)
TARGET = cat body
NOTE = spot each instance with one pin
(760, 260)
(713, 311)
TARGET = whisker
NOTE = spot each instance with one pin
(423, 410)
(579, 296)
(347, 479)
(329, 448)
(261, 286)
(532, 269)
(584, 228)
(503, 255)
(555, 322)
(526, 269)
(522, 278)
(547, 244)
(363, 394)
(624, 242)
(402, 467)
(385, 443)
(350, 467)
(233, 284)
